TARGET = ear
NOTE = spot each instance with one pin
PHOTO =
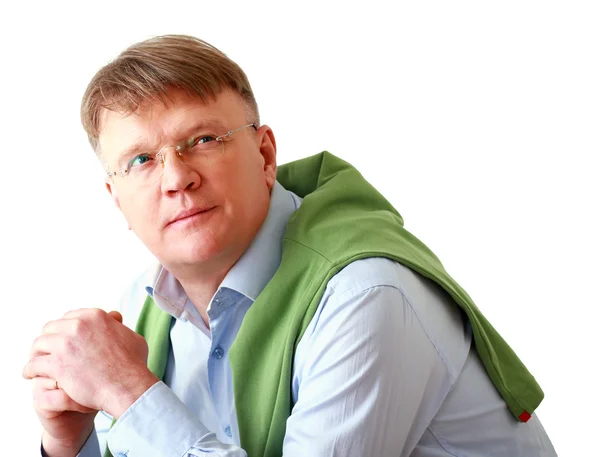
(113, 193)
(111, 190)
(268, 150)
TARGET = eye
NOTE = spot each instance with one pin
(202, 139)
(139, 160)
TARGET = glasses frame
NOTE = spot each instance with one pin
(180, 148)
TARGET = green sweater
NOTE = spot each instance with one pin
(341, 219)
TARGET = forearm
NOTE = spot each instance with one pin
(81, 448)
(159, 424)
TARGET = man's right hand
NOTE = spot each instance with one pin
(67, 424)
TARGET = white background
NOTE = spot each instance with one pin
(479, 122)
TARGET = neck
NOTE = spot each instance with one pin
(200, 295)
(200, 285)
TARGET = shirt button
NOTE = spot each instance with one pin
(228, 431)
(218, 352)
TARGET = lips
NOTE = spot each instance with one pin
(182, 216)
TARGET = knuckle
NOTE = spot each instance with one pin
(97, 313)
(64, 344)
(37, 342)
(47, 326)
(96, 317)
(141, 341)
(78, 327)
(69, 313)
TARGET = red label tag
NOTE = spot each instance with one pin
(525, 416)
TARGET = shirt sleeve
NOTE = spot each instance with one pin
(366, 379)
(159, 424)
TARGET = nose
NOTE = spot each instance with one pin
(177, 175)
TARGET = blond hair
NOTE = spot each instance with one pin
(147, 70)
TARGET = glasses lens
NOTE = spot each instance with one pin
(147, 169)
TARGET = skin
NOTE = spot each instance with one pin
(98, 363)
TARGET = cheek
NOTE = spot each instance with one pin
(230, 182)
(248, 175)
(241, 197)
(141, 215)
(247, 187)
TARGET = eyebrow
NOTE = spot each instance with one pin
(140, 145)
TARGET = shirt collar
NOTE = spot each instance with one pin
(251, 272)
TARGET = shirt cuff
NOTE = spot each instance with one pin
(158, 423)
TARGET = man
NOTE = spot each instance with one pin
(289, 314)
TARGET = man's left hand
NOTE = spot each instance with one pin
(94, 358)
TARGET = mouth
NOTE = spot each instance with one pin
(190, 216)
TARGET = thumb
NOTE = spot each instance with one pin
(116, 315)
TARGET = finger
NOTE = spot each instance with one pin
(82, 312)
(56, 326)
(39, 366)
(93, 313)
(52, 402)
(47, 344)
(116, 315)
(43, 383)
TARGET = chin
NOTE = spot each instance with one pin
(198, 252)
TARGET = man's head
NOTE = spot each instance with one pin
(150, 69)
(200, 202)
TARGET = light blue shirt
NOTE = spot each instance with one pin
(385, 368)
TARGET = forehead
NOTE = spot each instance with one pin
(158, 122)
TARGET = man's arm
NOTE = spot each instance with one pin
(160, 425)
(367, 378)
(157, 423)
(92, 443)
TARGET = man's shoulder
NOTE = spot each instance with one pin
(421, 292)
(437, 313)
(363, 274)
(366, 273)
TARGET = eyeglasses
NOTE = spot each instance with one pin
(201, 147)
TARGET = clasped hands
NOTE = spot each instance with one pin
(88, 361)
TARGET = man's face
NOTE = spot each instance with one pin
(200, 214)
